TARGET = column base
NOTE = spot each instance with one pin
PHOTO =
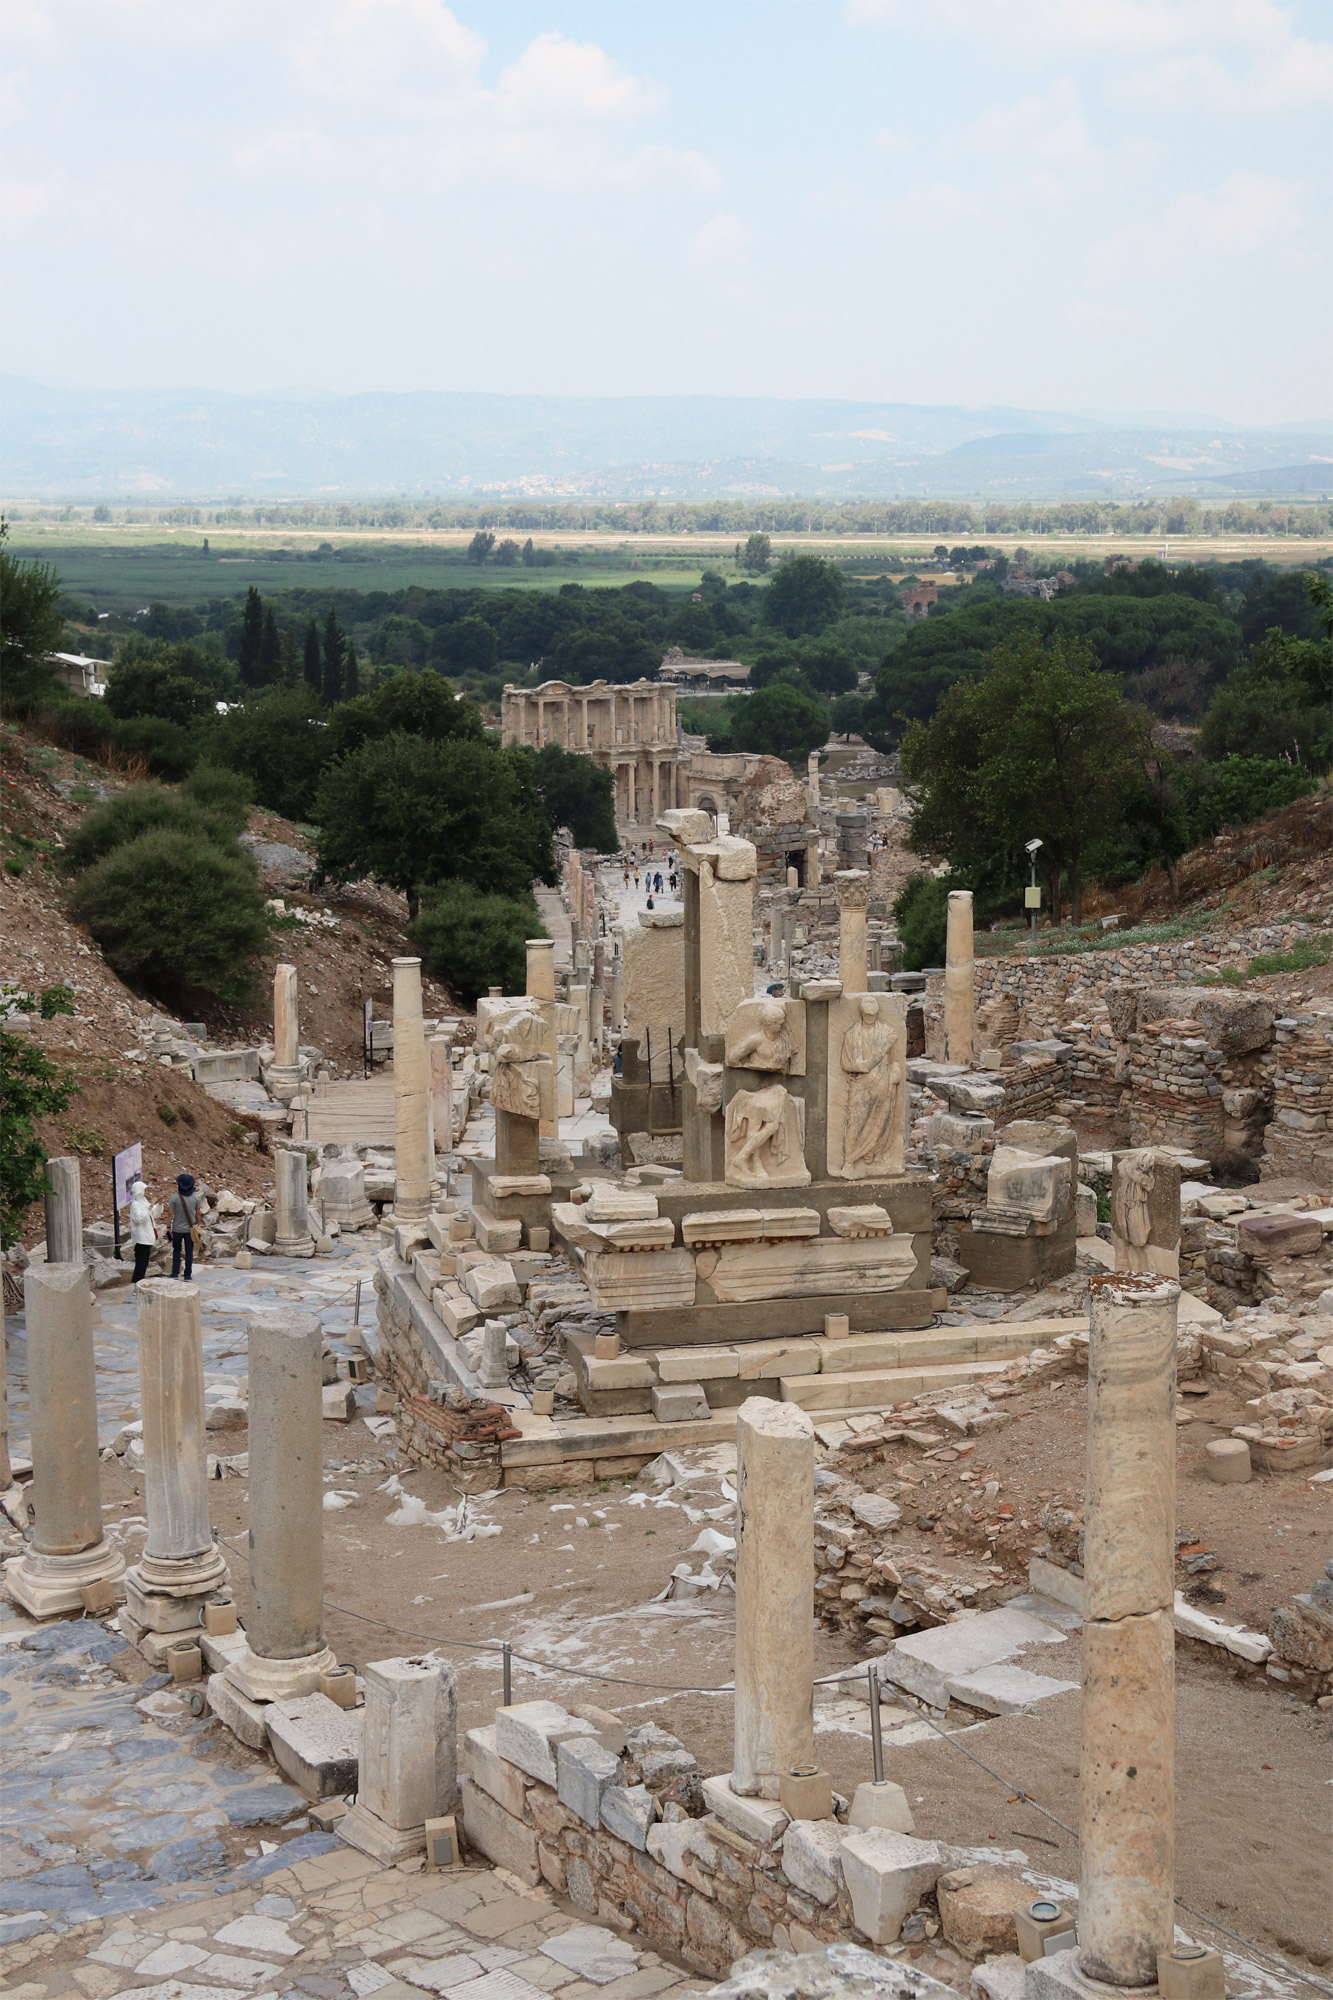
(293, 1246)
(366, 1831)
(282, 1082)
(47, 1586)
(260, 1679)
(166, 1594)
(1061, 1977)
(408, 1210)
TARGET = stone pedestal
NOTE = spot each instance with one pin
(68, 1548)
(775, 1583)
(494, 1370)
(283, 1075)
(180, 1565)
(853, 890)
(540, 989)
(517, 1144)
(285, 1651)
(409, 1757)
(291, 1207)
(64, 1212)
(812, 783)
(342, 1195)
(959, 983)
(1126, 1778)
(411, 1097)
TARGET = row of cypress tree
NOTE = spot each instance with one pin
(268, 657)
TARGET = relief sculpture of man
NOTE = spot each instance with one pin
(875, 1079)
(769, 1046)
(515, 1086)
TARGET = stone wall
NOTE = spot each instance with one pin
(1299, 1140)
(705, 1888)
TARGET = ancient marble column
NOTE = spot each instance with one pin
(1126, 1778)
(180, 1565)
(291, 1208)
(853, 889)
(285, 1651)
(64, 1212)
(411, 1092)
(812, 783)
(441, 1051)
(283, 1075)
(959, 985)
(775, 1592)
(68, 1548)
(540, 988)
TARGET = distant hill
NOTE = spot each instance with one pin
(204, 444)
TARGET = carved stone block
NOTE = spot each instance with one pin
(867, 1085)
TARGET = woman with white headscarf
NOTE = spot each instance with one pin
(143, 1235)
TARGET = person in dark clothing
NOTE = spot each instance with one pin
(184, 1215)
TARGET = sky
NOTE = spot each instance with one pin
(1099, 205)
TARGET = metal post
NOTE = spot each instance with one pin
(356, 1316)
(876, 1739)
(115, 1215)
(508, 1675)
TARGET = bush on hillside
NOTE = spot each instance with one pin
(143, 809)
(280, 741)
(472, 941)
(227, 795)
(176, 915)
(32, 1088)
(921, 912)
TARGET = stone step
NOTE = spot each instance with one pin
(881, 1388)
(980, 1342)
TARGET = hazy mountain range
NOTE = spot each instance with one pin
(205, 444)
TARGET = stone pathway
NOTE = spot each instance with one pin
(336, 1924)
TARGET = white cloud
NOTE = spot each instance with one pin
(1247, 212)
(357, 48)
(557, 78)
(1231, 51)
(1050, 128)
(301, 146)
(22, 203)
(721, 240)
(894, 142)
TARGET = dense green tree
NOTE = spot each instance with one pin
(250, 652)
(617, 651)
(480, 547)
(278, 740)
(467, 647)
(413, 813)
(177, 916)
(420, 704)
(31, 624)
(781, 720)
(828, 667)
(290, 669)
(578, 794)
(756, 555)
(400, 641)
(507, 554)
(142, 684)
(1042, 746)
(805, 595)
(1268, 708)
(846, 714)
(270, 650)
(226, 795)
(311, 667)
(472, 941)
(921, 914)
(335, 654)
(351, 672)
(31, 1087)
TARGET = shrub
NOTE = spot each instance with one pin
(143, 809)
(166, 1112)
(32, 1088)
(921, 912)
(176, 914)
(473, 941)
(227, 795)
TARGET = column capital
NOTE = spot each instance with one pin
(853, 888)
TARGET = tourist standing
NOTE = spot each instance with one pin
(184, 1218)
(143, 1235)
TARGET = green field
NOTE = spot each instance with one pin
(121, 574)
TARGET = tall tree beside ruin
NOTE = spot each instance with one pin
(312, 666)
(270, 649)
(249, 654)
(335, 646)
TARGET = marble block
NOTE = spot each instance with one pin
(867, 1085)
